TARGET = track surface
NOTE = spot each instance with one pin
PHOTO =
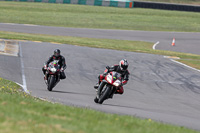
(185, 42)
(158, 88)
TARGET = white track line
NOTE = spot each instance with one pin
(30, 25)
(19, 84)
(185, 65)
(154, 46)
(24, 86)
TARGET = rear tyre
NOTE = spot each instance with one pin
(51, 83)
(104, 95)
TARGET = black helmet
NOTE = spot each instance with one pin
(123, 64)
(57, 52)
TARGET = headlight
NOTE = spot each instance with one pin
(109, 78)
(53, 70)
(117, 83)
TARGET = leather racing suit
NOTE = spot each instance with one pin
(116, 68)
(61, 62)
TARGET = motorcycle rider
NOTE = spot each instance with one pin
(61, 62)
(122, 69)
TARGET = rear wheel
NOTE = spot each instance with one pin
(51, 83)
(104, 94)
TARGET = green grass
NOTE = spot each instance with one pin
(193, 63)
(99, 17)
(132, 46)
(21, 113)
(67, 15)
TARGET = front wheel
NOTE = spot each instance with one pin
(96, 100)
(104, 94)
(51, 83)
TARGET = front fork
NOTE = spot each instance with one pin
(101, 86)
(100, 89)
(57, 78)
(114, 89)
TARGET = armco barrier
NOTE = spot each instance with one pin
(112, 3)
(123, 3)
(167, 6)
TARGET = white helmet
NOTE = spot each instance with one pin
(123, 64)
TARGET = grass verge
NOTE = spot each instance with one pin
(67, 15)
(21, 113)
(132, 46)
(83, 16)
(193, 63)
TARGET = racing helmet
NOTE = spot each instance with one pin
(123, 64)
(57, 53)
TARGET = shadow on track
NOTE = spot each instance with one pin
(75, 93)
(136, 108)
(122, 106)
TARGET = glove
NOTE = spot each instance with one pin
(45, 67)
(61, 69)
(107, 67)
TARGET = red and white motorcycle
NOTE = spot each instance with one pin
(108, 87)
(53, 74)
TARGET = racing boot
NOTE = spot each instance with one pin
(119, 91)
(45, 78)
(99, 81)
(96, 86)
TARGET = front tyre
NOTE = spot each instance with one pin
(96, 100)
(104, 95)
(51, 83)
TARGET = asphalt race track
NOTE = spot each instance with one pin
(185, 42)
(158, 88)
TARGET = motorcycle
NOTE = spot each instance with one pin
(53, 74)
(108, 87)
